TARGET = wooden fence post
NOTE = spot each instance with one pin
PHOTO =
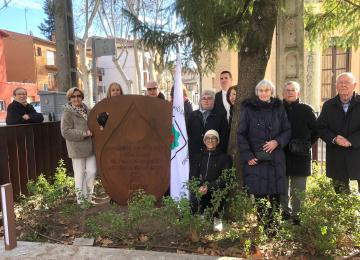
(7, 203)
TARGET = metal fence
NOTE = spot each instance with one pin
(26, 151)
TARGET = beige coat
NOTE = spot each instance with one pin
(73, 129)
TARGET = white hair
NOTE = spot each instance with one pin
(265, 83)
(295, 84)
(349, 74)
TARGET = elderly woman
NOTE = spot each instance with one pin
(208, 166)
(204, 119)
(263, 132)
(79, 145)
(113, 90)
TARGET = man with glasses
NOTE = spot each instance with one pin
(152, 90)
(20, 112)
(297, 153)
(204, 119)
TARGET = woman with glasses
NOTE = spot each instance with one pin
(79, 144)
(263, 133)
(207, 166)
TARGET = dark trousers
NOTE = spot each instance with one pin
(343, 186)
(205, 202)
(265, 214)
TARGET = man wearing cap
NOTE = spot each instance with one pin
(208, 166)
(204, 119)
(152, 90)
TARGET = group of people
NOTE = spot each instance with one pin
(274, 138)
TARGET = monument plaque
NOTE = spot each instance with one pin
(133, 148)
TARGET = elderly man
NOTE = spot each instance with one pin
(20, 112)
(298, 156)
(152, 90)
(221, 104)
(204, 119)
(339, 126)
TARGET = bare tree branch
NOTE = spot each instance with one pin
(352, 3)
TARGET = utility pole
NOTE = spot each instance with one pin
(65, 45)
(26, 28)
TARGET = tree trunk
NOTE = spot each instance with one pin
(253, 58)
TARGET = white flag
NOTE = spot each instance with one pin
(179, 146)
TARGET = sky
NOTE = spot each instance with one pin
(12, 18)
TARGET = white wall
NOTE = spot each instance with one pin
(111, 73)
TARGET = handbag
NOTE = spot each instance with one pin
(262, 156)
(299, 147)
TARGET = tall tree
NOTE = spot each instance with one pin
(47, 28)
(247, 25)
(337, 22)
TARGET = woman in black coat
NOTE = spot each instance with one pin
(208, 166)
(298, 153)
(263, 132)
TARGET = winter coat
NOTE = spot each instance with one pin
(303, 126)
(16, 110)
(341, 163)
(187, 109)
(73, 129)
(196, 130)
(219, 104)
(261, 122)
(208, 166)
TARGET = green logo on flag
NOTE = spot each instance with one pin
(174, 138)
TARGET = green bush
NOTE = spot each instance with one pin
(329, 221)
(109, 224)
(141, 206)
(44, 194)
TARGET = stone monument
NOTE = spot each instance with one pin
(133, 148)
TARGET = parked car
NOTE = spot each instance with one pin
(37, 106)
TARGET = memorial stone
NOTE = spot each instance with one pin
(133, 148)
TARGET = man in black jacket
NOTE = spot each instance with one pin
(339, 127)
(221, 104)
(298, 161)
(20, 112)
(204, 119)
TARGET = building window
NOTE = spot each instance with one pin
(50, 58)
(335, 61)
(51, 80)
(39, 52)
(2, 105)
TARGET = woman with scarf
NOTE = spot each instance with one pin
(79, 144)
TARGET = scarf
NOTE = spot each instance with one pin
(81, 110)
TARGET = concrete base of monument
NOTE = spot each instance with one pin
(35, 250)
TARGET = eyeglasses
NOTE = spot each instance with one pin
(206, 98)
(76, 96)
(150, 89)
(211, 139)
(21, 94)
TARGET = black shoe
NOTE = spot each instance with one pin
(296, 221)
(286, 215)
